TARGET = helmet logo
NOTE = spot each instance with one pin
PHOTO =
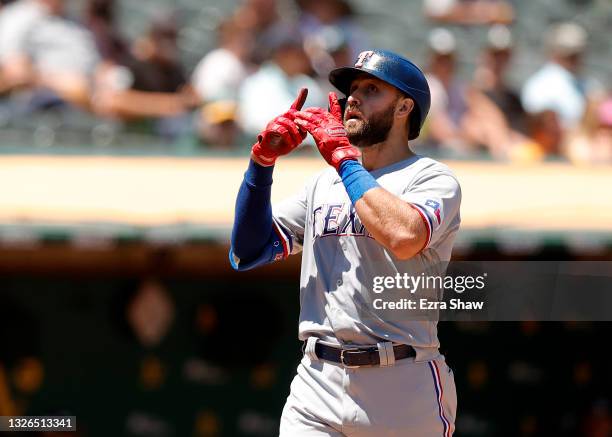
(363, 57)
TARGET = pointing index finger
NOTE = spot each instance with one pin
(300, 99)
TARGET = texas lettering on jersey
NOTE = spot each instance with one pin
(337, 219)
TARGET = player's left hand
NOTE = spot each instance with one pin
(328, 131)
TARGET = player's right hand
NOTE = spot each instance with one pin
(280, 136)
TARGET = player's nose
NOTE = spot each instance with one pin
(352, 99)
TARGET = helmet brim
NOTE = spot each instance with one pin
(342, 78)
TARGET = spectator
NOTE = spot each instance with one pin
(159, 68)
(490, 77)
(258, 17)
(217, 125)
(100, 19)
(557, 86)
(470, 118)
(502, 120)
(41, 50)
(469, 12)
(592, 141)
(220, 73)
(328, 49)
(16, 21)
(114, 74)
(153, 86)
(316, 15)
(545, 137)
(448, 94)
(273, 88)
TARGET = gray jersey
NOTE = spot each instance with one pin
(340, 259)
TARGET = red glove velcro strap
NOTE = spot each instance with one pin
(261, 156)
(342, 154)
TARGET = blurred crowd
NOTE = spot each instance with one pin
(51, 60)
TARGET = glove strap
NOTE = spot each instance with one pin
(260, 158)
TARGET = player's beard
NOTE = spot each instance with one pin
(374, 130)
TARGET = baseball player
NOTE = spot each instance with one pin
(378, 210)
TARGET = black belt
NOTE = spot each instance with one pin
(357, 357)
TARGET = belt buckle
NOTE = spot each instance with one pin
(342, 357)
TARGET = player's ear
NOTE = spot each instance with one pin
(404, 107)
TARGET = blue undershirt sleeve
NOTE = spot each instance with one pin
(256, 239)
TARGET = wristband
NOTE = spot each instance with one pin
(356, 179)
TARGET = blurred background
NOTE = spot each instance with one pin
(125, 128)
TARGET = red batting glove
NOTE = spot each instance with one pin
(280, 136)
(328, 131)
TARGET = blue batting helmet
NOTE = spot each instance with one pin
(395, 70)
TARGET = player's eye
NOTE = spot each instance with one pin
(372, 88)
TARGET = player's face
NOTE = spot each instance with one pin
(370, 110)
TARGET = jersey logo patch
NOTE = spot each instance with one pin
(435, 206)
